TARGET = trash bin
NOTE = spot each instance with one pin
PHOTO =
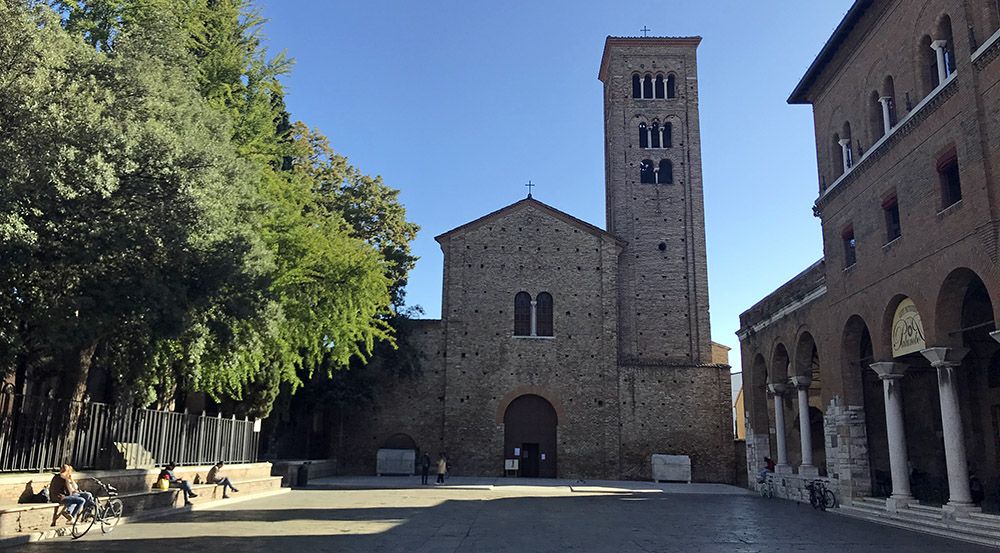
(302, 475)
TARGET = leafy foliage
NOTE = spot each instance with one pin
(162, 221)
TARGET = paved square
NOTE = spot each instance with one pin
(507, 518)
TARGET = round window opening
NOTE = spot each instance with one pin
(662, 246)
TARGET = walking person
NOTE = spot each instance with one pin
(168, 474)
(425, 469)
(215, 478)
(442, 467)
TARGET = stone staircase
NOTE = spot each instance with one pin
(20, 523)
(975, 528)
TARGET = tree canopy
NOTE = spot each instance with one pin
(162, 221)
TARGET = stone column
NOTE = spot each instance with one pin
(801, 384)
(845, 151)
(939, 47)
(778, 390)
(891, 374)
(649, 137)
(534, 318)
(886, 102)
(947, 361)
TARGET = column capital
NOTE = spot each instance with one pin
(889, 370)
(995, 335)
(844, 142)
(939, 44)
(944, 357)
(801, 382)
(884, 100)
(776, 389)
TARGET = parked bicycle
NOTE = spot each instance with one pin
(107, 511)
(820, 497)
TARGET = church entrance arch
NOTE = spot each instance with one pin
(529, 424)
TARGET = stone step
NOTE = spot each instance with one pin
(987, 525)
(925, 509)
(994, 519)
(961, 533)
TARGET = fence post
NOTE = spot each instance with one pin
(201, 438)
(232, 435)
(218, 437)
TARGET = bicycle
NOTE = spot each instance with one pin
(820, 497)
(108, 512)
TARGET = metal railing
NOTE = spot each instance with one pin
(38, 433)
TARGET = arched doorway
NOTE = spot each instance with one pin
(530, 435)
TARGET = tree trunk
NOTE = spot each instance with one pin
(73, 390)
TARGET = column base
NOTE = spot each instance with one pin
(783, 469)
(895, 504)
(952, 510)
(808, 471)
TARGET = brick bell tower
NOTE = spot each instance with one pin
(655, 200)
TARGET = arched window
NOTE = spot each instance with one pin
(656, 135)
(836, 158)
(928, 65)
(643, 135)
(948, 45)
(665, 174)
(543, 314)
(668, 135)
(636, 86)
(876, 120)
(845, 139)
(646, 174)
(658, 88)
(889, 92)
(522, 314)
(647, 87)
(671, 86)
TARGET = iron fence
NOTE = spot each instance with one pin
(38, 434)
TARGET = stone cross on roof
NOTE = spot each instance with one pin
(530, 185)
(645, 31)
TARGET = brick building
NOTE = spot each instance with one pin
(877, 367)
(581, 351)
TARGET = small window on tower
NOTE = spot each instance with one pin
(671, 86)
(892, 228)
(646, 173)
(656, 135)
(647, 87)
(659, 85)
(850, 247)
(636, 86)
(643, 135)
(665, 173)
(668, 135)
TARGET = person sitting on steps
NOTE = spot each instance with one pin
(215, 478)
(168, 474)
(65, 490)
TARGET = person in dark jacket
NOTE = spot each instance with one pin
(168, 474)
(219, 480)
(65, 490)
(425, 468)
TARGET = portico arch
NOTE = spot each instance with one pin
(964, 321)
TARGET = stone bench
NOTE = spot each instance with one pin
(32, 517)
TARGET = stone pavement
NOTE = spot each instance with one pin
(507, 518)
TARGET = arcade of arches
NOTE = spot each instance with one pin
(902, 399)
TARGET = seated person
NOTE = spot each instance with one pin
(65, 490)
(215, 478)
(168, 474)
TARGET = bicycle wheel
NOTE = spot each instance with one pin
(829, 500)
(112, 512)
(83, 522)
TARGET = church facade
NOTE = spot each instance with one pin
(576, 350)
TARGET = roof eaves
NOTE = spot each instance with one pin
(801, 92)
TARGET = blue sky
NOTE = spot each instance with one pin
(458, 103)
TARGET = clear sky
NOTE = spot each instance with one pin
(458, 103)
